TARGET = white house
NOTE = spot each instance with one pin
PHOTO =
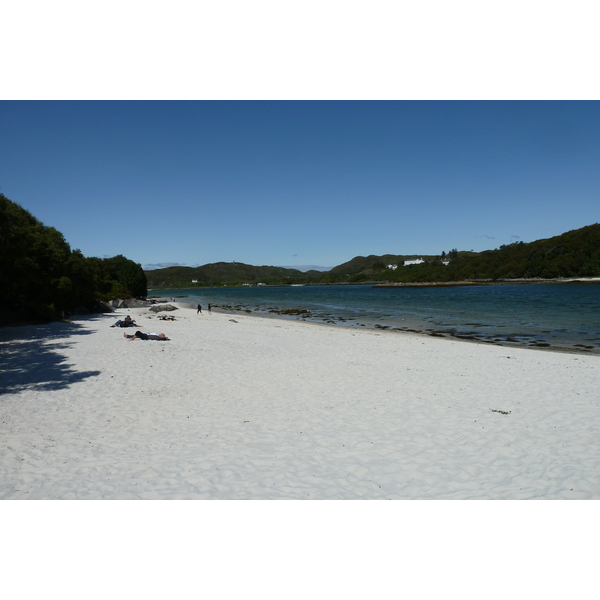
(417, 261)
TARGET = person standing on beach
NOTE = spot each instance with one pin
(199, 309)
(209, 311)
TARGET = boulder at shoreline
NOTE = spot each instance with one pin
(162, 307)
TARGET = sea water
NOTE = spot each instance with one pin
(541, 315)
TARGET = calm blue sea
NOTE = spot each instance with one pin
(555, 315)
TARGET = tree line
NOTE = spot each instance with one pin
(226, 274)
(573, 254)
(44, 280)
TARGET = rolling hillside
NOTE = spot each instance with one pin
(573, 254)
(222, 273)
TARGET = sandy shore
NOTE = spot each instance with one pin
(241, 407)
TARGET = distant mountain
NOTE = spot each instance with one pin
(372, 262)
(573, 254)
(305, 268)
(222, 273)
(152, 267)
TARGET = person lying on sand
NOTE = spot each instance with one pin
(126, 322)
(165, 318)
(146, 336)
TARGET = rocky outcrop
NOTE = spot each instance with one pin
(104, 307)
(99, 307)
(158, 308)
(131, 303)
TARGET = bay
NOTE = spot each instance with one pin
(559, 316)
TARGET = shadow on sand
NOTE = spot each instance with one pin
(27, 360)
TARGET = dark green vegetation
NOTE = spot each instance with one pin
(375, 268)
(373, 263)
(572, 254)
(43, 278)
(219, 274)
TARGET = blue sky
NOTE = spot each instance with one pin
(300, 182)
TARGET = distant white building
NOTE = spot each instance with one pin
(392, 267)
(417, 261)
(194, 281)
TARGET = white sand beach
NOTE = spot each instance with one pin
(242, 407)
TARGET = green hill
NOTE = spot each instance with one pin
(573, 254)
(222, 273)
(373, 262)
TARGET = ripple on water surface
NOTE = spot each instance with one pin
(539, 315)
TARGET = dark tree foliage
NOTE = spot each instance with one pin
(127, 274)
(44, 279)
(230, 274)
(573, 254)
